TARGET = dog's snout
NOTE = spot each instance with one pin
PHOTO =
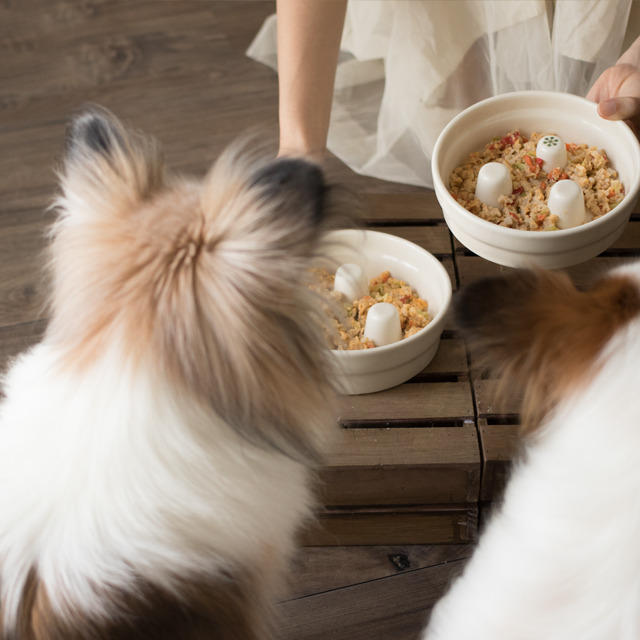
(295, 178)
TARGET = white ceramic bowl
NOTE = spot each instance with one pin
(379, 368)
(576, 120)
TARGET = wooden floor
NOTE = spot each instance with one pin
(176, 69)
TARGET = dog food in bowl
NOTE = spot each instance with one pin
(347, 318)
(533, 179)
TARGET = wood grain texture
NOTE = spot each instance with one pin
(450, 360)
(394, 208)
(415, 524)
(435, 239)
(490, 403)
(410, 403)
(395, 608)
(499, 443)
(320, 569)
(22, 255)
(402, 466)
(628, 242)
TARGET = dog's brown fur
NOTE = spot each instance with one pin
(223, 608)
(549, 332)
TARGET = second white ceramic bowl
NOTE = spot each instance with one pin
(375, 369)
(576, 120)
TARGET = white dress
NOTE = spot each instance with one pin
(408, 66)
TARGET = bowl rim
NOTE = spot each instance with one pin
(439, 185)
(432, 327)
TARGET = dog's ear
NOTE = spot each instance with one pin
(107, 167)
(540, 333)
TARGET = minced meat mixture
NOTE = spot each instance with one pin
(345, 329)
(526, 207)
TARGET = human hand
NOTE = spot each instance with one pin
(617, 92)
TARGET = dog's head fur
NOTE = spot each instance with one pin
(541, 334)
(203, 278)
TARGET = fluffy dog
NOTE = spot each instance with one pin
(155, 447)
(560, 559)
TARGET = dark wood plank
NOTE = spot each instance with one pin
(435, 239)
(490, 403)
(395, 208)
(176, 70)
(402, 466)
(629, 241)
(416, 524)
(22, 255)
(415, 403)
(448, 264)
(499, 443)
(320, 569)
(450, 360)
(395, 608)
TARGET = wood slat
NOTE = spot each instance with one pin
(450, 360)
(472, 268)
(500, 443)
(448, 264)
(402, 466)
(629, 241)
(405, 446)
(321, 569)
(416, 403)
(395, 208)
(395, 608)
(417, 524)
(488, 403)
(22, 245)
(434, 239)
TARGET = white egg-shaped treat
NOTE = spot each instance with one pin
(494, 180)
(566, 201)
(351, 281)
(383, 324)
(552, 151)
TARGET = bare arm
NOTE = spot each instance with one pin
(309, 33)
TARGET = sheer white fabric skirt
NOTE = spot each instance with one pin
(408, 66)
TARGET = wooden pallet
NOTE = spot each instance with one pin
(415, 463)
(441, 440)
(407, 466)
